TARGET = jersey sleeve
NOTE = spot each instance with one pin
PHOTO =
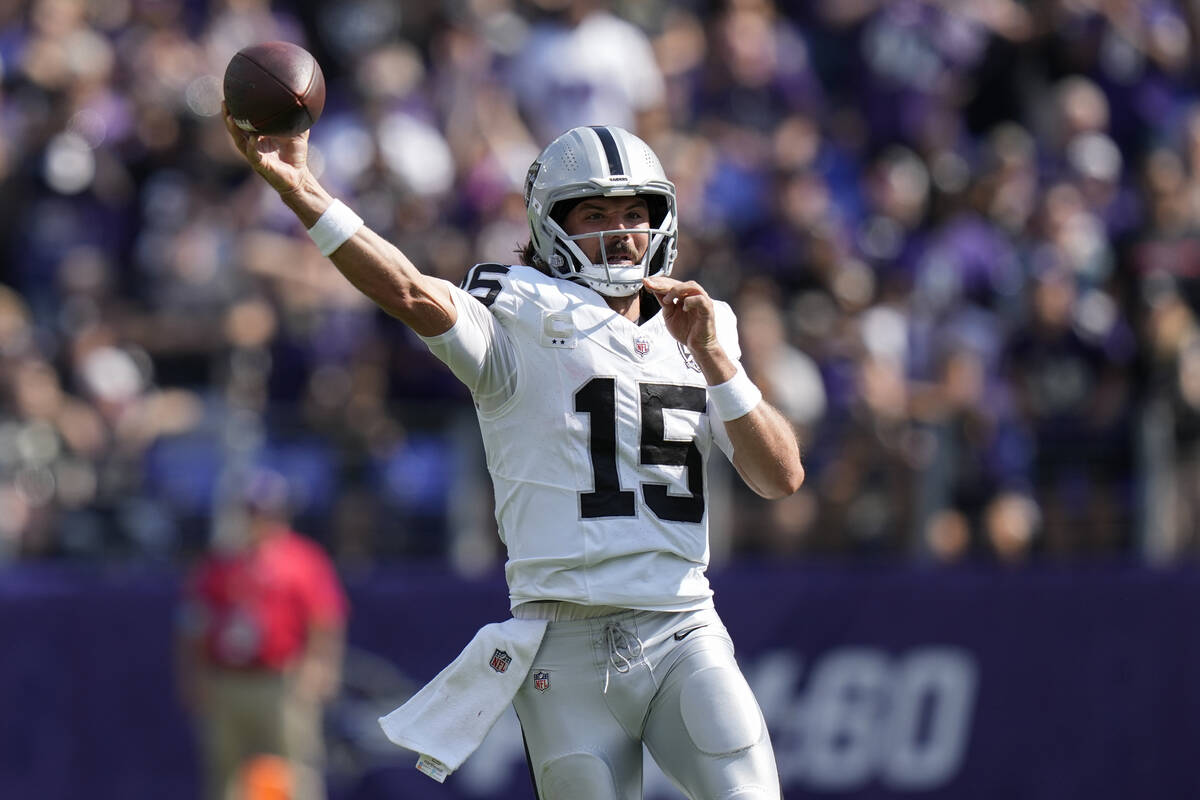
(477, 350)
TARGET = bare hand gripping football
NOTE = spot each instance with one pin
(274, 92)
(274, 89)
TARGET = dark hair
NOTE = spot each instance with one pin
(527, 253)
(529, 257)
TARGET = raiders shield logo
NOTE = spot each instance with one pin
(500, 661)
(541, 680)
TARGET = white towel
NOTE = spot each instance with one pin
(447, 719)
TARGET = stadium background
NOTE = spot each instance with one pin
(962, 240)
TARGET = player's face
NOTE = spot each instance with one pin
(628, 215)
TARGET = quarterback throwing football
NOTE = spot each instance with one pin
(602, 386)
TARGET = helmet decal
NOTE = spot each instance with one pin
(615, 165)
(530, 177)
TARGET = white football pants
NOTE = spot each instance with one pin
(600, 688)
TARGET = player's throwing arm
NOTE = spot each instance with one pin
(375, 267)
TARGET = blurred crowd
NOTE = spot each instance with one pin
(963, 239)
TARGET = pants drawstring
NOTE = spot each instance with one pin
(624, 649)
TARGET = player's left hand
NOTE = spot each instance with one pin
(687, 312)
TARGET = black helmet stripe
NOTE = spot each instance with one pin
(615, 165)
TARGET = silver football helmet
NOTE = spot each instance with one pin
(612, 162)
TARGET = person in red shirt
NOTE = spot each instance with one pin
(261, 640)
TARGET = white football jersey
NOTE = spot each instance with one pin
(597, 433)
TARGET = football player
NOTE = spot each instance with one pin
(602, 386)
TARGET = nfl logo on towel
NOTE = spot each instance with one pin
(641, 346)
(541, 680)
(500, 661)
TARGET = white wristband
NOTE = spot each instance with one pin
(736, 397)
(335, 226)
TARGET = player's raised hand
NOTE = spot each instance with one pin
(281, 160)
(687, 312)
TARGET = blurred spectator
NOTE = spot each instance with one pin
(758, 69)
(868, 483)
(260, 643)
(972, 450)
(789, 376)
(1166, 258)
(790, 381)
(582, 65)
(1012, 522)
(1072, 391)
(1139, 53)
(910, 62)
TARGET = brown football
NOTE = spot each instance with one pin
(274, 88)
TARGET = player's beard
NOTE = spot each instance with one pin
(619, 251)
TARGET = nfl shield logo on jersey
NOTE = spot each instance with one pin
(641, 346)
(541, 680)
(500, 661)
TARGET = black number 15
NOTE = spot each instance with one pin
(598, 399)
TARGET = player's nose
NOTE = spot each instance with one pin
(618, 222)
(620, 229)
